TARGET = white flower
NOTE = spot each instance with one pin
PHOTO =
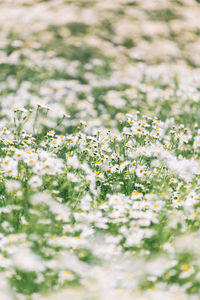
(10, 167)
(25, 259)
(140, 171)
(113, 98)
(73, 161)
(66, 275)
(12, 185)
(35, 181)
(19, 154)
(72, 177)
(6, 226)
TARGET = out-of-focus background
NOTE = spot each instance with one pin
(151, 31)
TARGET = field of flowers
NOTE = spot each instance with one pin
(99, 150)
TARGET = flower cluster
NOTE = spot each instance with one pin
(73, 202)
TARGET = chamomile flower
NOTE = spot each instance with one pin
(35, 181)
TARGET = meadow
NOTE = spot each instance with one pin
(99, 150)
